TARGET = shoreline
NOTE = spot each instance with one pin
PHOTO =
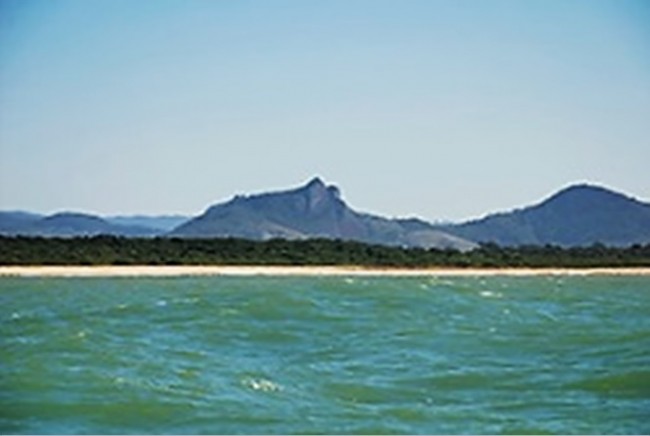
(241, 270)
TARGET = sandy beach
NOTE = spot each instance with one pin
(174, 271)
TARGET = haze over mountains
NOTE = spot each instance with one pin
(576, 216)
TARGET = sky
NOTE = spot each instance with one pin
(445, 110)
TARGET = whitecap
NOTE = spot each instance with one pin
(261, 384)
(490, 294)
(190, 300)
(438, 281)
(547, 315)
(161, 303)
(226, 311)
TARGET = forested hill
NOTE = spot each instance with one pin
(579, 215)
(110, 250)
(314, 210)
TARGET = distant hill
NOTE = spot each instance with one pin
(310, 211)
(576, 216)
(66, 224)
(14, 221)
(163, 223)
(579, 215)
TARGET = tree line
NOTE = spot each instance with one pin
(113, 250)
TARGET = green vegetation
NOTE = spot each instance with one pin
(112, 250)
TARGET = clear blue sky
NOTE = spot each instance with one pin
(440, 109)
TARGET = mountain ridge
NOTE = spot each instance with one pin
(313, 210)
(66, 224)
(576, 215)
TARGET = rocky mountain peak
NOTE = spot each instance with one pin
(315, 183)
(319, 196)
(312, 210)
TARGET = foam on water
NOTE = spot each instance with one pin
(325, 355)
(261, 384)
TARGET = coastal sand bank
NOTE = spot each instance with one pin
(175, 271)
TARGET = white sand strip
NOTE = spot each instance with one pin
(171, 271)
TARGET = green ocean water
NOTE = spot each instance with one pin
(325, 355)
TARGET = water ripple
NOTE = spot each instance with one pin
(325, 355)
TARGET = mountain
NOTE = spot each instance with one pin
(164, 223)
(579, 215)
(65, 224)
(310, 211)
(13, 221)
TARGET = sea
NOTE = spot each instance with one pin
(336, 355)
